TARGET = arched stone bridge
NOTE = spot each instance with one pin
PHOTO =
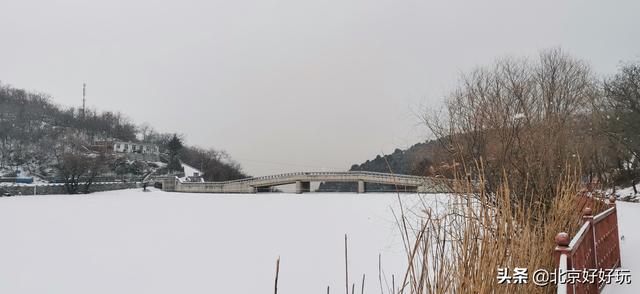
(303, 180)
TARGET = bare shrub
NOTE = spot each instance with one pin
(79, 170)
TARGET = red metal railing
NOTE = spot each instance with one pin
(595, 246)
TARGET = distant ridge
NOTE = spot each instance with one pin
(419, 160)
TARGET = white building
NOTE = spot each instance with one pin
(190, 171)
(191, 174)
(129, 147)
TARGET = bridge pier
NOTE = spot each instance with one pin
(168, 183)
(302, 187)
(361, 187)
(262, 189)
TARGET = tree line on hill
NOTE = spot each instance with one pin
(216, 165)
(419, 160)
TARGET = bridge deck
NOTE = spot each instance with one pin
(301, 179)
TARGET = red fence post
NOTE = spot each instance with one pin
(562, 247)
(612, 201)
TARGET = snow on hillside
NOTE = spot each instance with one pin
(134, 242)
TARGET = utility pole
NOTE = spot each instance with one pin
(84, 94)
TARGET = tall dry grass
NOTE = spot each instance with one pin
(461, 250)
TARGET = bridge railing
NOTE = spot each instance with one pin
(423, 184)
(347, 173)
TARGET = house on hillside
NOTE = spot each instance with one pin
(192, 174)
(134, 151)
(130, 147)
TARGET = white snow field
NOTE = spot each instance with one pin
(129, 241)
(628, 221)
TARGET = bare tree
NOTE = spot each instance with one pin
(79, 170)
(145, 130)
(72, 168)
(620, 119)
(519, 118)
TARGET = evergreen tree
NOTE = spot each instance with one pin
(174, 146)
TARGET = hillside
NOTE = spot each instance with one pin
(37, 135)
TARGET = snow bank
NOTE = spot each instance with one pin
(628, 220)
(134, 242)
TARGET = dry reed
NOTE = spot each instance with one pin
(461, 250)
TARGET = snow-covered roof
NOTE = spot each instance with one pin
(190, 170)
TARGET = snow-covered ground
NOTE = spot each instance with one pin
(627, 193)
(133, 242)
(156, 242)
(628, 220)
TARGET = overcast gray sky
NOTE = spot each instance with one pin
(290, 85)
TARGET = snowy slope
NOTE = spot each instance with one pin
(134, 242)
